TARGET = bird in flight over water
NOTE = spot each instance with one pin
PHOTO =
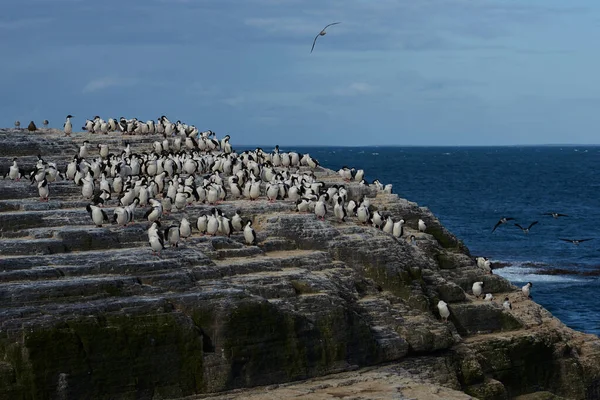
(322, 33)
(526, 230)
(555, 215)
(503, 220)
(576, 241)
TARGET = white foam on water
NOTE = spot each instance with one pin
(531, 274)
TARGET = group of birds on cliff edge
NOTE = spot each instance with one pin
(477, 290)
(189, 167)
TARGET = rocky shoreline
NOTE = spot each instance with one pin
(89, 312)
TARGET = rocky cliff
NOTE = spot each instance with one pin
(88, 312)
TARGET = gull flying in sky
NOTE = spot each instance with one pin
(322, 33)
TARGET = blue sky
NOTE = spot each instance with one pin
(394, 72)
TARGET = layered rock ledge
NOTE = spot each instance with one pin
(89, 312)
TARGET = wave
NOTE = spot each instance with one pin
(523, 271)
(527, 274)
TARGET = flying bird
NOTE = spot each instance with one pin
(576, 241)
(555, 215)
(503, 220)
(322, 33)
(526, 230)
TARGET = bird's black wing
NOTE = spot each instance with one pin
(532, 224)
(519, 226)
(104, 216)
(567, 240)
(497, 225)
(314, 41)
(561, 215)
(584, 240)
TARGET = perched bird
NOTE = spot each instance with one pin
(249, 234)
(17, 124)
(43, 190)
(555, 215)
(576, 241)
(172, 235)
(443, 309)
(527, 289)
(506, 304)
(236, 221)
(156, 238)
(98, 215)
(422, 226)
(185, 229)
(413, 240)
(31, 127)
(68, 126)
(14, 172)
(45, 122)
(477, 289)
(502, 220)
(526, 230)
(488, 297)
(322, 33)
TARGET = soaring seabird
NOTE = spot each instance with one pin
(576, 241)
(322, 33)
(555, 215)
(502, 220)
(526, 230)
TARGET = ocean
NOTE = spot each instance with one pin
(470, 188)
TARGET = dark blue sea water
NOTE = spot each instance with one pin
(470, 188)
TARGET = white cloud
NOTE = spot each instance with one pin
(355, 89)
(106, 82)
(234, 101)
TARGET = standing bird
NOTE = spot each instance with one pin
(502, 220)
(506, 304)
(17, 124)
(43, 190)
(422, 226)
(31, 127)
(527, 289)
(526, 230)
(322, 33)
(477, 289)
(68, 125)
(443, 309)
(98, 215)
(249, 234)
(45, 122)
